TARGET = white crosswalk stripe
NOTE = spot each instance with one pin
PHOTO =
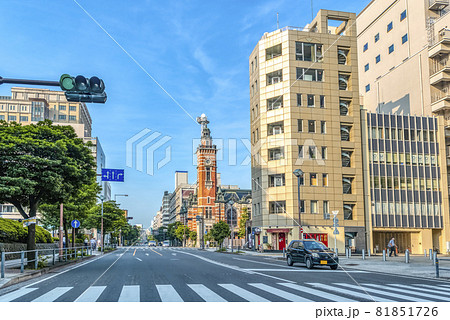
(205, 293)
(130, 294)
(426, 295)
(435, 290)
(16, 294)
(319, 293)
(91, 294)
(439, 287)
(382, 292)
(52, 295)
(280, 293)
(350, 292)
(167, 293)
(247, 295)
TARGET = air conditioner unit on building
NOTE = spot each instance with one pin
(276, 79)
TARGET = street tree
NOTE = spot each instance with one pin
(41, 163)
(182, 232)
(193, 237)
(220, 231)
(171, 228)
(242, 221)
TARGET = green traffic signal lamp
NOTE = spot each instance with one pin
(66, 82)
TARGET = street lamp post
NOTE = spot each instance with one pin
(120, 231)
(184, 212)
(101, 197)
(231, 202)
(299, 174)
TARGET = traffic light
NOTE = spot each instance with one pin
(81, 89)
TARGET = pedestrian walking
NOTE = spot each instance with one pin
(392, 247)
(86, 242)
(93, 243)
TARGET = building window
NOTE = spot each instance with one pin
(347, 183)
(325, 179)
(275, 128)
(377, 58)
(299, 99)
(300, 152)
(404, 38)
(73, 118)
(343, 81)
(12, 118)
(310, 99)
(208, 213)
(72, 108)
(323, 127)
(309, 74)
(314, 206)
(348, 211)
(324, 153)
(346, 158)
(342, 56)
(344, 107)
(311, 126)
(377, 37)
(368, 88)
(62, 107)
(273, 52)
(300, 125)
(345, 132)
(62, 117)
(2, 117)
(208, 199)
(402, 15)
(308, 52)
(274, 77)
(276, 207)
(326, 210)
(366, 68)
(390, 26)
(322, 101)
(208, 174)
(312, 152)
(366, 46)
(275, 103)
(276, 180)
(23, 118)
(313, 179)
(276, 153)
(391, 48)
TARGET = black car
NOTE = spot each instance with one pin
(311, 252)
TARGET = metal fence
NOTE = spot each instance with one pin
(42, 258)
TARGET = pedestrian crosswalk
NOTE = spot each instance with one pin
(252, 292)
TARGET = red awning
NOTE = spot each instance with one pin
(278, 230)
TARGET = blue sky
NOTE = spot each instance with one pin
(196, 50)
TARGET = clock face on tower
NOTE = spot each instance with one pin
(207, 161)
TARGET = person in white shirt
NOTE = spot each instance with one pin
(392, 247)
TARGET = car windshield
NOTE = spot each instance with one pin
(314, 245)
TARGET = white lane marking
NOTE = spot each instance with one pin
(349, 292)
(206, 294)
(247, 295)
(434, 290)
(270, 264)
(168, 294)
(174, 254)
(16, 294)
(435, 287)
(319, 293)
(382, 292)
(303, 270)
(280, 293)
(146, 254)
(410, 291)
(130, 294)
(52, 295)
(138, 259)
(91, 294)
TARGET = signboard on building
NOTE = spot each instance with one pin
(322, 237)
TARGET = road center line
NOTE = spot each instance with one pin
(156, 252)
(134, 252)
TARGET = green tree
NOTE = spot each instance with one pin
(242, 222)
(171, 228)
(220, 231)
(41, 163)
(193, 236)
(182, 232)
(113, 219)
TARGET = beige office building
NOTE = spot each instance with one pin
(305, 114)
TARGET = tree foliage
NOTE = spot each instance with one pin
(220, 231)
(243, 220)
(12, 231)
(182, 232)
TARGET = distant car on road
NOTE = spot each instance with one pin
(166, 243)
(152, 243)
(311, 253)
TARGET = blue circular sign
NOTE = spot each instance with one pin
(75, 224)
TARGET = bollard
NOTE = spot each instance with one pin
(384, 254)
(54, 255)
(407, 256)
(368, 252)
(22, 259)
(2, 273)
(346, 252)
(425, 252)
(36, 259)
(349, 252)
(436, 263)
(435, 257)
(431, 254)
(363, 254)
(284, 253)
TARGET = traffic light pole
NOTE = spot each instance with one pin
(30, 82)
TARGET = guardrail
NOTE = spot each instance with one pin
(437, 264)
(43, 257)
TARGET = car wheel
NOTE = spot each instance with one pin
(309, 263)
(334, 267)
(289, 261)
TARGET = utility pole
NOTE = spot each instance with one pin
(61, 229)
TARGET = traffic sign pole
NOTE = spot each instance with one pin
(336, 231)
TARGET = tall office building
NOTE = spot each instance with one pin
(305, 114)
(165, 209)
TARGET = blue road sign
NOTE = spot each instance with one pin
(75, 223)
(117, 175)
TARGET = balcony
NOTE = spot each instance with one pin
(436, 5)
(441, 44)
(439, 71)
(440, 100)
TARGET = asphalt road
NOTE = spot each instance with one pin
(182, 274)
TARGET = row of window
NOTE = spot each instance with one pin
(311, 127)
(405, 208)
(278, 180)
(390, 50)
(63, 107)
(279, 207)
(64, 117)
(402, 134)
(403, 158)
(13, 108)
(14, 118)
(404, 183)
(389, 27)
